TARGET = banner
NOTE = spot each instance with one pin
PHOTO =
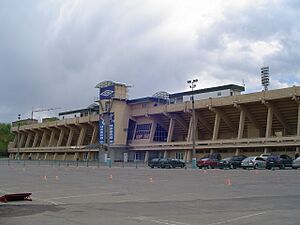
(111, 130)
(101, 131)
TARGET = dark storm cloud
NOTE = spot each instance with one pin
(53, 53)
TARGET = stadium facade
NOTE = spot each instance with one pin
(226, 120)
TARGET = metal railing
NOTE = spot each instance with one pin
(71, 163)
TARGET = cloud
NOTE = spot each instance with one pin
(53, 53)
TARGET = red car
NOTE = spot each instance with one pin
(208, 163)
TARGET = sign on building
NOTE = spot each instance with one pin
(101, 131)
(107, 92)
(111, 130)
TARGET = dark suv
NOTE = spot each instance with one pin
(166, 163)
(286, 160)
(274, 161)
(232, 162)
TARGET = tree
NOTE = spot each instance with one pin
(5, 137)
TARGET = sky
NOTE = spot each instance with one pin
(54, 52)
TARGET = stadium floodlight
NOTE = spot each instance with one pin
(192, 84)
(265, 77)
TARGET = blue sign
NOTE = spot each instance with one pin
(107, 92)
(111, 130)
(101, 131)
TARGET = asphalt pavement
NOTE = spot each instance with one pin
(144, 196)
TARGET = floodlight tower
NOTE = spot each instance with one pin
(192, 84)
(265, 77)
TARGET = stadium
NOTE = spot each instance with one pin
(227, 121)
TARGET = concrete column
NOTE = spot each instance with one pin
(81, 136)
(61, 137)
(190, 130)
(171, 130)
(46, 155)
(165, 154)
(35, 140)
(71, 134)
(65, 156)
(269, 122)
(153, 129)
(189, 155)
(15, 142)
(269, 125)
(88, 155)
(22, 140)
(29, 136)
(23, 156)
(185, 156)
(237, 151)
(241, 124)
(52, 137)
(44, 139)
(54, 156)
(94, 135)
(146, 156)
(298, 123)
(216, 126)
(37, 156)
(75, 156)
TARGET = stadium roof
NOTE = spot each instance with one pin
(233, 87)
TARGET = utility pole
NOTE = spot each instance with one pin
(18, 137)
(192, 84)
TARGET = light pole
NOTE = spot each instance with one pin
(192, 84)
(18, 137)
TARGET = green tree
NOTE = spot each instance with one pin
(5, 137)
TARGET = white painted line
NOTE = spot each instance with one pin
(4, 191)
(175, 222)
(48, 201)
(171, 222)
(82, 196)
(237, 218)
(160, 221)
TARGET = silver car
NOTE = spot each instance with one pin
(296, 163)
(253, 162)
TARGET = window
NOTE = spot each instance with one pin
(179, 155)
(130, 132)
(143, 131)
(160, 134)
(219, 93)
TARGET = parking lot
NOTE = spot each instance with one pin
(129, 196)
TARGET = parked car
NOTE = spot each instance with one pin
(232, 162)
(274, 161)
(287, 160)
(296, 163)
(177, 163)
(166, 163)
(208, 163)
(253, 162)
(265, 155)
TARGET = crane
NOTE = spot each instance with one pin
(42, 110)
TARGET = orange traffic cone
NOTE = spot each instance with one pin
(228, 182)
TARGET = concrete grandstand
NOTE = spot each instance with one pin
(227, 122)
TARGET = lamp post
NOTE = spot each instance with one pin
(18, 137)
(192, 84)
